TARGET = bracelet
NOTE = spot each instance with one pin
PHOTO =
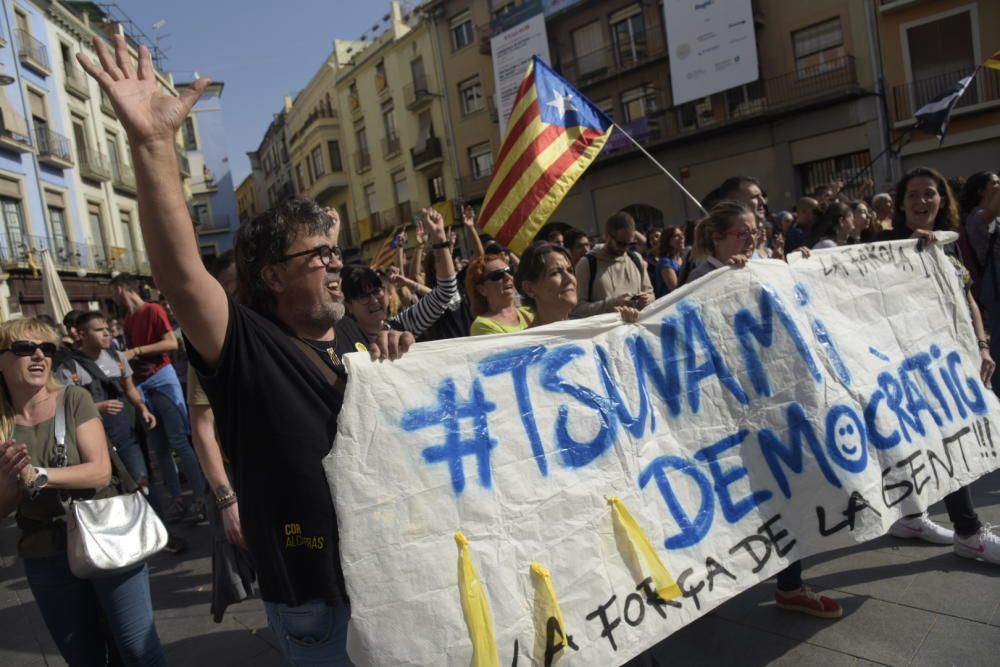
(983, 344)
(442, 245)
(225, 501)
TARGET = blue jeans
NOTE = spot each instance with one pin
(72, 609)
(171, 434)
(120, 433)
(311, 634)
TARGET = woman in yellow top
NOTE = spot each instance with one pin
(489, 283)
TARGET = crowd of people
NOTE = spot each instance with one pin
(265, 330)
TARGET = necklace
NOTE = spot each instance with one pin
(330, 352)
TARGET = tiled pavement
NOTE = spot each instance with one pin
(905, 604)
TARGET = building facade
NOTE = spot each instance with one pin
(66, 183)
(315, 144)
(213, 197)
(246, 200)
(270, 163)
(393, 120)
(925, 48)
(811, 118)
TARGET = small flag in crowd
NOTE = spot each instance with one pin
(933, 117)
(993, 62)
(553, 135)
(386, 251)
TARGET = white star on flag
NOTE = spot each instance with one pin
(563, 103)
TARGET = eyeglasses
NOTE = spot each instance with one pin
(366, 299)
(743, 234)
(326, 253)
(497, 274)
(26, 348)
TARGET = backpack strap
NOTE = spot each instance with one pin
(326, 369)
(637, 260)
(592, 264)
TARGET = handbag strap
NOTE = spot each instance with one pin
(61, 459)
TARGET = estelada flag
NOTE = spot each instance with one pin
(553, 134)
(993, 62)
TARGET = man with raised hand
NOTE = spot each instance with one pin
(270, 368)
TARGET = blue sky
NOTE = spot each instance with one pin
(262, 50)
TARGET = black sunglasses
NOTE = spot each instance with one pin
(326, 254)
(26, 348)
(497, 274)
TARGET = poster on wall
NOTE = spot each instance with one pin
(517, 36)
(712, 46)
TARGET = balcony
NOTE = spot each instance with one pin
(607, 61)
(53, 148)
(76, 81)
(404, 213)
(416, 94)
(362, 161)
(427, 155)
(183, 164)
(390, 146)
(94, 166)
(22, 251)
(14, 132)
(33, 53)
(317, 115)
(908, 98)
(324, 188)
(123, 178)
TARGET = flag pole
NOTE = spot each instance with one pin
(662, 168)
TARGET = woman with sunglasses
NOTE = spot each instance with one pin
(727, 237)
(489, 283)
(34, 479)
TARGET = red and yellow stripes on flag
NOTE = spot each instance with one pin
(993, 62)
(537, 165)
(385, 253)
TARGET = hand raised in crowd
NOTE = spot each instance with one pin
(468, 217)
(629, 315)
(231, 525)
(433, 221)
(14, 458)
(334, 216)
(391, 345)
(420, 235)
(148, 115)
(110, 407)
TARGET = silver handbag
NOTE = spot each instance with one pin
(108, 535)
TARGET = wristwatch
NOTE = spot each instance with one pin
(41, 480)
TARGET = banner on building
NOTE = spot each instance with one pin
(585, 489)
(712, 46)
(516, 37)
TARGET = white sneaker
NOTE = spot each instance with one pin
(922, 528)
(984, 545)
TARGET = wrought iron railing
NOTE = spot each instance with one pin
(30, 50)
(909, 97)
(52, 144)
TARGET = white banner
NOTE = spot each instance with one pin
(712, 46)
(512, 49)
(755, 417)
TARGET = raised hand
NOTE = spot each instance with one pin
(468, 217)
(432, 221)
(147, 113)
(420, 235)
(334, 216)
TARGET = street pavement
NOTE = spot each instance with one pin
(905, 603)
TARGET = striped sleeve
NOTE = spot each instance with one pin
(421, 315)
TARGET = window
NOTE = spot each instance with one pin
(939, 58)
(841, 168)
(461, 31)
(370, 200)
(333, 148)
(22, 21)
(502, 9)
(80, 137)
(425, 129)
(588, 47)
(113, 156)
(638, 103)
(94, 220)
(309, 170)
(819, 48)
(202, 214)
(190, 138)
(56, 207)
(381, 82)
(628, 30)
(362, 140)
(299, 179)
(435, 188)
(419, 75)
(317, 160)
(13, 222)
(127, 238)
(352, 95)
(400, 189)
(471, 94)
(389, 121)
(746, 100)
(481, 160)
(607, 105)
(696, 114)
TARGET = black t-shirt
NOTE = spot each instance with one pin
(276, 412)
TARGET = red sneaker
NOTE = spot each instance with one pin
(806, 601)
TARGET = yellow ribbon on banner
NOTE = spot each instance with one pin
(665, 585)
(548, 609)
(476, 608)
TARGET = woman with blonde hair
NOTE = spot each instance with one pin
(726, 237)
(36, 477)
